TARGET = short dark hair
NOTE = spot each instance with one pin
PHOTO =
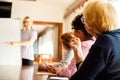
(77, 24)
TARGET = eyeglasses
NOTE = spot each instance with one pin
(82, 19)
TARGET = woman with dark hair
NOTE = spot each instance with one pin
(86, 39)
(78, 26)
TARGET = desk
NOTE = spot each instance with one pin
(9, 72)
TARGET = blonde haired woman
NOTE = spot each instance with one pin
(28, 37)
(103, 59)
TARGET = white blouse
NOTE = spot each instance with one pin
(27, 51)
(67, 59)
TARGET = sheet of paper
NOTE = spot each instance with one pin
(57, 78)
(45, 73)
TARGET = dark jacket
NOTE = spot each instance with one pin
(103, 60)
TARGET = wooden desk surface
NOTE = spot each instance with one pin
(9, 72)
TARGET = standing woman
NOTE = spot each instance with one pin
(28, 37)
(103, 59)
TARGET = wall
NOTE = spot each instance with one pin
(68, 20)
(37, 10)
(9, 31)
(116, 5)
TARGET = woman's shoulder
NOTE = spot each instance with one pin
(88, 42)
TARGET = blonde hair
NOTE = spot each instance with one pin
(66, 37)
(24, 21)
(100, 16)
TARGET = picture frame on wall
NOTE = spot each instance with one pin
(5, 9)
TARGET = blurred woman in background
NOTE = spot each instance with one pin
(28, 37)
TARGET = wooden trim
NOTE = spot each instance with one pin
(60, 25)
(81, 3)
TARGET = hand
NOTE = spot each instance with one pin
(51, 68)
(11, 43)
(42, 67)
(58, 69)
(75, 43)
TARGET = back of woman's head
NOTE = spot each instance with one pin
(66, 37)
(100, 16)
(78, 24)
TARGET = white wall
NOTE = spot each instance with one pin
(37, 10)
(116, 5)
(9, 31)
(68, 20)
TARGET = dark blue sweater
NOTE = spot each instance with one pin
(103, 60)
